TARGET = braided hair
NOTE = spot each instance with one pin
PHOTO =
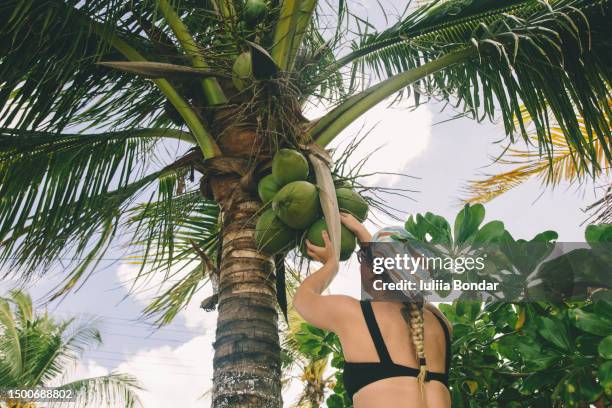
(412, 312)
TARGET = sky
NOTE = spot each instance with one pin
(174, 363)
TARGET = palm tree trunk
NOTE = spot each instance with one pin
(247, 351)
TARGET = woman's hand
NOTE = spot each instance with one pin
(324, 254)
(357, 228)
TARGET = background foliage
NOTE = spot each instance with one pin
(536, 354)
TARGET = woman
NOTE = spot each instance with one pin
(396, 354)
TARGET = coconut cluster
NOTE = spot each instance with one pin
(293, 211)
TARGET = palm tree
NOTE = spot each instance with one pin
(92, 91)
(36, 350)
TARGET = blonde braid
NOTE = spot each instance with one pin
(414, 318)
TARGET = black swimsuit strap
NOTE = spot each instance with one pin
(448, 342)
(370, 319)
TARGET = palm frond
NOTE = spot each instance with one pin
(166, 228)
(49, 55)
(48, 70)
(114, 389)
(56, 190)
(316, 54)
(551, 56)
(11, 365)
(169, 303)
(311, 370)
(72, 340)
(294, 19)
(172, 235)
(43, 352)
(600, 212)
(563, 163)
(23, 306)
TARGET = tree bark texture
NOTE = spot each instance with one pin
(247, 367)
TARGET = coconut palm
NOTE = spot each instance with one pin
(36, 350)
(94, 92)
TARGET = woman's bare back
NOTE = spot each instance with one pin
(400, 392)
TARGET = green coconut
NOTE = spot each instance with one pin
(297, 204)
(347, 239)
(267, 188)
(272, 236)
(242, 71)
(254, 11)
(350, 201)
(289, 165)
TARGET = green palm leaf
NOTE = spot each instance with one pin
(47, 84)
(173, 235)
(113, 390)
(550, 56)
(57, 189)
(11, 365)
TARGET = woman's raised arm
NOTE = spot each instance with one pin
(323, 311)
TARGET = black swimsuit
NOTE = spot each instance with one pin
(358, 375)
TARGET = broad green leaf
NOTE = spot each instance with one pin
(588, 389)
(334, 401)
(468, 309)
(605, 348)
(538, 380)
(602, 295)
(603, 308)
(555, 332)
(546, 236)
(590, 322)
(587, 344)
(438, 229)
(415, 227)
(604, 374)
(467, 222)
(489, 232)
(429, 228)
(598, 233)
(508, 396)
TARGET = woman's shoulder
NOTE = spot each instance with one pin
(330, 312)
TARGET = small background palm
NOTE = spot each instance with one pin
(311, 370)
(36, 351)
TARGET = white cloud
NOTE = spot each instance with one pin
(387, 127)
(174, 377)
(83, 369)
